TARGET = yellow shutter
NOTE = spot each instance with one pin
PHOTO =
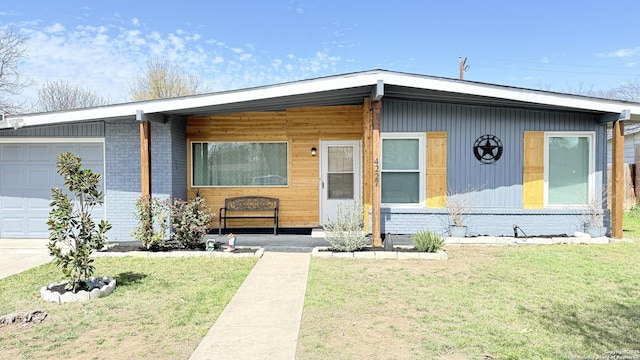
(436, 169)
(533, 170)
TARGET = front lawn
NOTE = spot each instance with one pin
(161, 309)
(631, 224)
(517, 302)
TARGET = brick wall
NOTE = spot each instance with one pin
(168, 168)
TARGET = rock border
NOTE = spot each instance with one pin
(82, 295)
(214, 254)
(321, 251)
(577, 238)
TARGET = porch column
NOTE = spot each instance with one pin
(617, 179)
(145, 158)
(376, 198)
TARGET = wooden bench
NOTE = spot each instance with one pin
(249, 204)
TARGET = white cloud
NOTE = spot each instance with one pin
(545, 60)
(622, 53)
(105, 56)
(245, 57)
(57, 27)
(176, 41)
(133, 37)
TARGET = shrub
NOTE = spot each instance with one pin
(346, 233)
(70, 221)
(152, 215)
(190, 220)
(428, 241)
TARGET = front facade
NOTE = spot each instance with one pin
(403, 146)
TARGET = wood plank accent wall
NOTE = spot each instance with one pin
(302, 128)
(367, 158)
(436, 169)
(533, 170)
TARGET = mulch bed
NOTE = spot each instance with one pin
(129, 247)
(378, 248)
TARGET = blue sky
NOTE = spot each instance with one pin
(102, 45)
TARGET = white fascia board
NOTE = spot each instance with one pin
(58, 117)
(510, 93)
(267, 92)
(193, 102)
(347, 81)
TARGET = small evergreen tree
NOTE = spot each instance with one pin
(70, 223)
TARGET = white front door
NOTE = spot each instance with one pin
(341, 177)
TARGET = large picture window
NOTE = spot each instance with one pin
(569, 169)
(239, 163)
(402, 168)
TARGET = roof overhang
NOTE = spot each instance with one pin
(348, 89)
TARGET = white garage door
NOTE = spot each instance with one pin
(27, 174)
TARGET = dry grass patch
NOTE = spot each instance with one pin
(528, 302)
(161, 309)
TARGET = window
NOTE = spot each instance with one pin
(239, 164)
(402, 168)
(569, 169)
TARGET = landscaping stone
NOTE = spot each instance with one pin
(82, 295)
(343, 254)
(386, 255)
(364, 254)
(452, 240)
(600, 240)
(324, 252)
(408, 255)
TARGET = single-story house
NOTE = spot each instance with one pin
(402, 145)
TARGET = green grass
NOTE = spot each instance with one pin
(529, 302)
(161, 309)
(631, 221)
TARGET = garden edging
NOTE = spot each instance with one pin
(150, 254)
(325, 252)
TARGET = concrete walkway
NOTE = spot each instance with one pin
(18, 255)
(262, 321)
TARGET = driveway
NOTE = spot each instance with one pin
(18, 255)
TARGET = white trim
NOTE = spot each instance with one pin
(591, 180)
(191, 142)
(57, 140)
(357, 171)
(338, 82)
(422, 138)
